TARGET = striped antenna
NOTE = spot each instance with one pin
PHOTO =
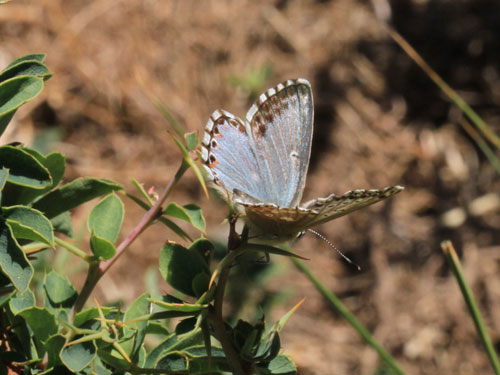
(335, 248)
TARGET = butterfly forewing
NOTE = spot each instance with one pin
(228, 158)
(281, 126)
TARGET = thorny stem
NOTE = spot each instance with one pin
(233, 359)
(97, 270)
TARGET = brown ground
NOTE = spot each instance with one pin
(379, 121)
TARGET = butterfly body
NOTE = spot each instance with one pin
(260, 165)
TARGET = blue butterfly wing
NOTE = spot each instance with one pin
(267, 156)
(229, 160)
(280, 133)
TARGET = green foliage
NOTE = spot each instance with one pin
(44, 325)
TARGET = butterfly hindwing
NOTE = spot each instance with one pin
(270, 223)
(334, 206)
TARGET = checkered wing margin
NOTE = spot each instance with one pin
(334, 206)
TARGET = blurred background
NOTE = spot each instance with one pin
(379, 121)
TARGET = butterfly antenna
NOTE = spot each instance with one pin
(335, 248)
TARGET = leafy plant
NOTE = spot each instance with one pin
(51, 330)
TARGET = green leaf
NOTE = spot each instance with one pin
(97, 368)
(280, 324)
(185, 326)
(62, 224)
(281, 365)
(200, 284)
(268, 349)
(29, 224)
(202, 363)
(191, 140)
(13, 262)
(175, 228)
(24, 169)
(54, 345)
(58, 288)
(4, 175)
(190, 213)
(55, 163)
(5, 119)
(204, 247)
(139, 307)
(101, 247)
(78, 356)
(41, 321)
(106, 218)
(22, 301)
(112, 357)
(87, 315)
(26, 68)
(155, 328)
(173, 362)
(15, 92)
(196, 216)
(32, 56)
(179, 266)
(74, 194)
(163, 347)
(184, 307)
(173, 343)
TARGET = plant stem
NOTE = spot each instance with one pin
(233, 359)
(97, 270)
(454, 262)
(347, 315)
(74, 250)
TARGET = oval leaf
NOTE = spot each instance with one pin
(58, 288)
(137, 329)
(106, 218)
(41, 321)
(13, 261)
(29, 224)
(15, 92)
(54, 345)
(32, 56)
(74, 194)
(25, 68)
(102, 247)
(179, 267)
(196, 216)
(22, 301)
(173, 362)
(190, 213)
(78, 356)
(24, 169)
(55, 163)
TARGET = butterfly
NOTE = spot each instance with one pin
(260, 165)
